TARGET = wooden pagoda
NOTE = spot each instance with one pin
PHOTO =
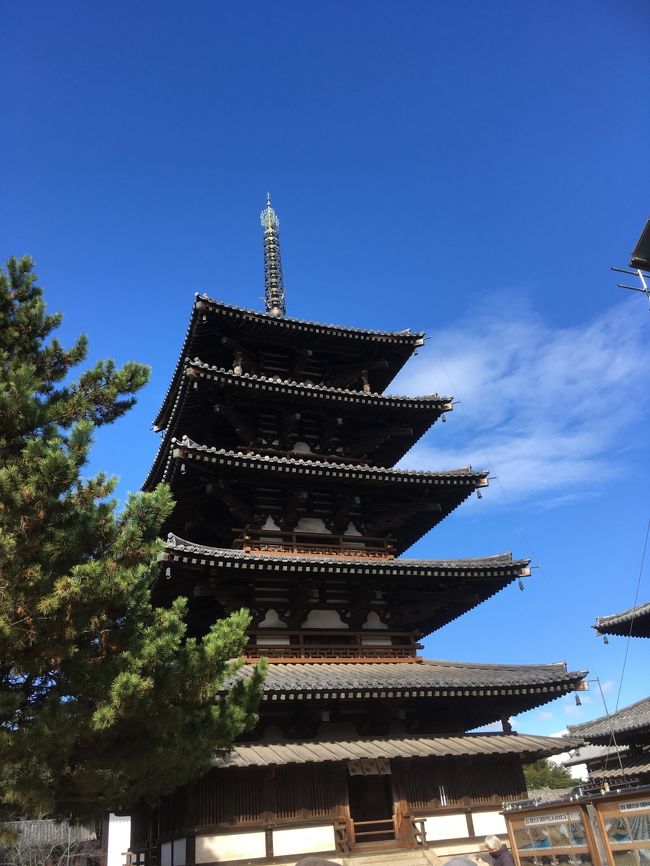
(279, 445)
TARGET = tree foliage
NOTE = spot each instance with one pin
(546, 774)
(103, 699)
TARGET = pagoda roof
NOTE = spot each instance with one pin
(634, 622)
(473, 581)
(424, 677)
(451, 696)
(264, 321)
(465, 476)
(398, 346)
(628, 722)
(417, 412)
(324, 751)
(427, 497)
(490, 566)
(196, 369)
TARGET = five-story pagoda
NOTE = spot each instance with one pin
(279, 445)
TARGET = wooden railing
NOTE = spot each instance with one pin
(374, 831)
(341, 836)
(313, 544)
(341, 645)
(419, 830)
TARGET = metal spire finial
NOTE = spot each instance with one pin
(273, 282)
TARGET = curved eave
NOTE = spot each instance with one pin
(634, 622)
(530, 685)
(420, 413)
(197, 370)
(477, 579)
(487, 566)
(318, 330)
(170, 447)
(323, 751)
(627, 723)
(463, 477)
(400, 345)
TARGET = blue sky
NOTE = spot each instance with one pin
(470, 169)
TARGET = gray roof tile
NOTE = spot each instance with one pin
(320, 751)
(634, 717)
(441, 678)
(634, 622)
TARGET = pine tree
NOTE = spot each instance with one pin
(104, 701)
(546, 774)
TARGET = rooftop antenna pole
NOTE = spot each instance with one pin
(640, 264)
(273, 282)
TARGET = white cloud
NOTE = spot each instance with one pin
(545, 714)
(545, 408)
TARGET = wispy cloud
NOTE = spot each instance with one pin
(548, 409)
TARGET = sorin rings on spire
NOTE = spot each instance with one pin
(273, 281)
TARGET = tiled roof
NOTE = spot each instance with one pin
(408, 337)
(465, 476)
(320, 751)
(634, 622)
(588, 753)
(404, 342)
(429, 407)
(422, 678)
(202, 555)
(197, 369)
(634, 717)
(635, 764)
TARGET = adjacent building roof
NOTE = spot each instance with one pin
(321, 751)
(635, 764)
(587, 753)
(631, 720)
(209, 316)
(634, 622)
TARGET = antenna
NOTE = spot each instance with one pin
(273, 282)
(640, 263)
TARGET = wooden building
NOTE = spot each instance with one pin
(279, 445)
(619, 743)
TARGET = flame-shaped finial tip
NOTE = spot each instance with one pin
(268, 199)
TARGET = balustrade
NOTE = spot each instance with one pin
(313, 544)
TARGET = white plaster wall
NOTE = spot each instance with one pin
(119, 839)
(489, 824)
(312, 524)
(272, 620)
(324, 619)
(166, 854)
(233, 846)
(180, 852)
(373, 621)
(446, 827)
(303, 840)
(273, 640)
